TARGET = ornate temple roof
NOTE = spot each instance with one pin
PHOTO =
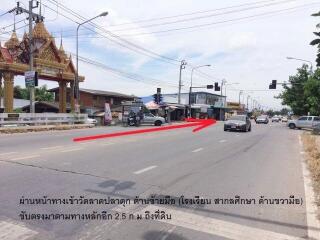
(40, 31)
(12, 42)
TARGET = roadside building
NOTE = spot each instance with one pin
(92, 102)
(235, 108)
(202, 105)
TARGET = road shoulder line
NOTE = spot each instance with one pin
(311, 208)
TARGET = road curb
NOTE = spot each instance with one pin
(311, 208)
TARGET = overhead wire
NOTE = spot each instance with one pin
(121, 41)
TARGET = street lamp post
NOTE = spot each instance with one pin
(191, 82)
(229, 84)
(303, 60)
(76, 85)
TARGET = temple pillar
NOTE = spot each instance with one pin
(72, 102)
(8, 91)
(62, 97)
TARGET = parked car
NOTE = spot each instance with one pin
(262, 119)
(91, 121)
(304, 122)
(149, 118)
(238, 123)
(284, 119)
(275, 119)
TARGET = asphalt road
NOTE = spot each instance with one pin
(210, 164)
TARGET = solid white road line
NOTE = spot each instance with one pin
(11, 231)
(311, 208)
(50, 148)
(106, 144)
(71, 150)
(197, 150)
(217, 227)
(25, 157)
(144, 170)
(7, 153)
(222, 141)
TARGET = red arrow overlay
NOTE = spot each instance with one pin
(199, 123)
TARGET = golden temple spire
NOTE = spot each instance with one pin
(13, 41)
(61, 45)
(40, 31)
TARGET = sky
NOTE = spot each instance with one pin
(246, 42)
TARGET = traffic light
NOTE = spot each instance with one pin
(209, 86)
(273, 84)
(36, 82)
(216, 87)
(158, 97)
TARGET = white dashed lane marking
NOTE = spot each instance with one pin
(145, 170)
(7, 153)
(50, 148)
(25, 157)
(197, 150)
(71, 150)
(11, 231)
(222, 141)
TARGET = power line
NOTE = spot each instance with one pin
(220, 22)
(125, 74)
(123, 42)
(191, 13)
(204, 17)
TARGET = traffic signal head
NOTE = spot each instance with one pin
(273, 84)
(209, 86)
(216, 86)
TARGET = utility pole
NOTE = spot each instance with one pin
(31, 17)
(240, 96)
(248, 102)
(32, 108)
(182, 66)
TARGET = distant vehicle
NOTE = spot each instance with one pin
(91, 121)
(262, 119)
(304, 122)
(284, 119)
(275, 119)
(238, 123)
(149, 118)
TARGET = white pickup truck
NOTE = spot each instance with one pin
(304, 122)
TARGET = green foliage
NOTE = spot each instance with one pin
(21, 93)
(317, 40)
(303, 94)
(312, 92)
(294, 95)
(41, 93)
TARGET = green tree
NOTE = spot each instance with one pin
(42, 94)
(294, 94)
(316, 42)
(20, 93)
(312, 93)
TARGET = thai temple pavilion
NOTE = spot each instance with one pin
(50, 62)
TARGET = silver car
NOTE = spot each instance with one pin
(238, 123)
(149, 118)
(304, 122)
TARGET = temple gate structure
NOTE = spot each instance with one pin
(51, 63)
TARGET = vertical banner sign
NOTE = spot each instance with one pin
(107, 114)
(29, 77)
